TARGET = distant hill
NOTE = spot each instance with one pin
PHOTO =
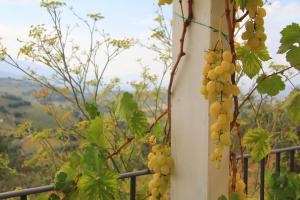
(17, 104)
(7, 71)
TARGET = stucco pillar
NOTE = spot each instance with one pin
(195, 177)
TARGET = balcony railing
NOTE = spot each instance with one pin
(23, 194)
(262, 165)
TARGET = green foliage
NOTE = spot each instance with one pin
(292, 105)
(129, 111)
(290, 44)
(95, 133)
(257, 140)
(252, 61)
(242, 3)
(284, 186)
(86, 176)
(92, 109)
(233, 196)
(271, 85)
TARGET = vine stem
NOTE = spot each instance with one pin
(157, 119)
(116, 152)
(256, 86)
(231, 26)
(181, 54)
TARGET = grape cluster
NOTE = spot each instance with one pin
(239, 187)
(254, 35)
(218, 89)
(160, 162)
(163, 2)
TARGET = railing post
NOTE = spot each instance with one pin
(246, 174)
(24, 197)
(262, 179)
(278, 163)
(292, 160)
(132, 188)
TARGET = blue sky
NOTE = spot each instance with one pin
(126, 18)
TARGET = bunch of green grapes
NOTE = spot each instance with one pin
(163, 2)
(160, 162)
(254, 35)
(240, 186)
(218, 89)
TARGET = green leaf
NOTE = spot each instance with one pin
(263, 54)
(271, 85)
(250, 61)
(92, 158)
(222, 197)
(290, 41)
(290, 37)
(293, 57)
(242, 3)
(61, 177)
(234, 196)
(138, 124)
(54, 197)
(92, 109)
(257, 140)
(95, 133)
(102, 186)
(129, 111)
(292, 105)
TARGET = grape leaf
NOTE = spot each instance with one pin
(138, 123)
(102, 186)
(242, 3)
(263, 54)
(292, 105)
(223, 197)
(293, 57)
(92, 109)
(290, 37)
(271, 85)
(257, 140)
(234, 196)
(129, 111)
(95, 133)
(250, 61)
(290, 44)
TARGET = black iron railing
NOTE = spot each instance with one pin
(23, 194)
(262, 165)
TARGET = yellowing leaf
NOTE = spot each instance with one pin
(257, 140)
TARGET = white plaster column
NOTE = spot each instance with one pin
(195, 176)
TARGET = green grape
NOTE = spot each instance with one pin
(215, 109)
(212, 75)
(226, 66)
(249, 26)
(235, 90)
(222, 119)
(219, 70)
(209, 57)
(211, 87)
(261, 12)
(215, 136)
(215, 127)
(227, 56)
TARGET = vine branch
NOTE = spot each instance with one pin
(116, 152)
(180, 55)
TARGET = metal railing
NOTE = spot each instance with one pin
(262, 165)
(133, 175)
(23, 194)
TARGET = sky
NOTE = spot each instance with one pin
(130, 18)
